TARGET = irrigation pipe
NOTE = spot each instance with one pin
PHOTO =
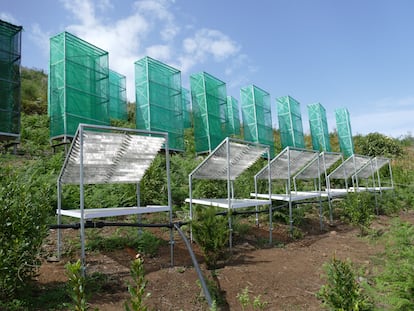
(101, 224)
(196, 266)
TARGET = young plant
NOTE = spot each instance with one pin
(137, 288)
(212, 234)
(245, 301)
(342, 291)
(76, 286)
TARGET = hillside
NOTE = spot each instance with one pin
(286, 274)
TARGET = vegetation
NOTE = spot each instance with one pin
(358, 209)
(28, 203)
(76, 286)
(137, 288)
(212, 235)
(23, 221)
(342, 291)
(145, 242)
(246, 302)
(394, 284)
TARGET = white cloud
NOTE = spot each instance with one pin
(159, 52)
(158, 10)
(391, 123)
(84, 11)
(150, 29)
(9, 18)
(40, 38)
(210, 42)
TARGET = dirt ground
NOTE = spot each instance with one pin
(286, 275)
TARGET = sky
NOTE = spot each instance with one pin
(354, 54)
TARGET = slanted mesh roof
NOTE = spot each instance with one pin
(380, 162)
(370, 168)
(349, 167)
(326, 160)
(287, 163)
(110, 157)
(241, 157)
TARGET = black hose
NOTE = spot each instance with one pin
(196, 266)
(101, 224)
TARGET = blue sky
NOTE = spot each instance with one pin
(357, 54)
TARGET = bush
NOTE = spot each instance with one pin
(358, 210)
(376, 144)
(212, 235)
(395, 283)
(22, 229)
(342, 291)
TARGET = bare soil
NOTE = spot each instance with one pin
(286, 275)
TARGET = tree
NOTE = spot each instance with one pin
(376, 144)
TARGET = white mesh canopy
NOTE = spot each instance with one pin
(319, 165)
(235, 157)
(287, 163)
(109, 157)
(350, 167)
(374, 166)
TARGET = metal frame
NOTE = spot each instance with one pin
(226, 162)
(287, 165)
(326, 161)
(87, 163)
(371, 170)
(347, 170)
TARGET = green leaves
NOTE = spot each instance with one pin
(212, 234)
(76, 286)
(395, 282)
(137, 288)
(22, 229)
(376, 144)
(342, 292)
(358, 210)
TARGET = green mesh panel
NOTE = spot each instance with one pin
(185, 97)
(233, 115)
(10, 55)
(257, 117)
(159, 101)
(209, 102)
(290, 122)
(78, 85)
(117, 96)
(319, 127)
(343, 125)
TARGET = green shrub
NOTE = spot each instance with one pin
(342, 292)
(144, 242)
(211, 233)
(395, 282)
(376, 144)
(358, 209)
(23, 219)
